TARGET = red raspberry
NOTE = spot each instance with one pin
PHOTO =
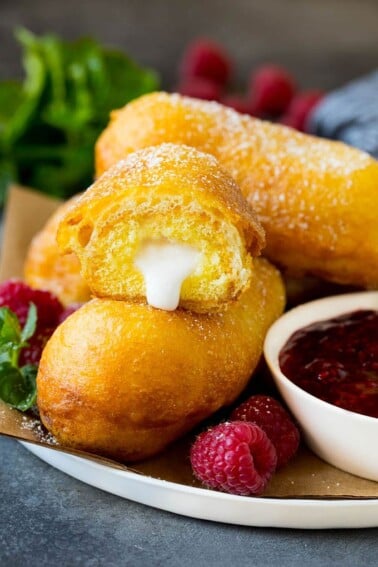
(271, 90)
(268, 413)
(200, 88)
(16, 295)
(33, 352)
(206, 59)
(300, 108)
(237, 102)
(234, 457)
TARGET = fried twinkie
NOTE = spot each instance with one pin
(317, 199)
(46, 268)
(124, 380)
(166, 224)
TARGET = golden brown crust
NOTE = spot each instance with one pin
(316, 199)
(168, 192)
(46, 268)
(125, 380)
(171, 169)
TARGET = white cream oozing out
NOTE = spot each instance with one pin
(165, 265)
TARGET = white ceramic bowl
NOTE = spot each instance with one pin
(343, 438)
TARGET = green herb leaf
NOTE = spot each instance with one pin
(50, 123)
(32, 89)
(29, 373)
(11, 96)
(10, 330)
(8, 174)
(18, 387)
(10, 336)
(30, 325)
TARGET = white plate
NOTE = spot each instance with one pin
(216, 506)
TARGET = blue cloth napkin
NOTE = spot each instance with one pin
(350, 114)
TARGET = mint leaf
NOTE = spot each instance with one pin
(11, 96)
(10, 336)
(50, 122)
(10, 330)
(126, 80)
(29, 373)
(30, 325)
(32, 89)
(18, 387)
(8, 175)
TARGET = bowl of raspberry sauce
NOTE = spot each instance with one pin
(324, 359)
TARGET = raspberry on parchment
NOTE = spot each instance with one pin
(269, 414)
(234, 457)
(18, 296)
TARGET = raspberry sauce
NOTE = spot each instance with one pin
(337, 361)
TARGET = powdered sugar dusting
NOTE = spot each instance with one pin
(175, 167)
(36, 427)
(278, 143)
(152, 160)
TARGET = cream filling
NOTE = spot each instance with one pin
(165, 265)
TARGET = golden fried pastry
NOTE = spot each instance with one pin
(317, 199)
(124, 380)
(168, 224)
(46, 268)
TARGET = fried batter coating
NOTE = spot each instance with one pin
(46, 268)
(317, 199)
(124, 380)
(165, 201)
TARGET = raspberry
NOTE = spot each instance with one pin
(200, 88)
(17, 296)
(268, 413)
(237, 102)
(33, 352)
(300, 108)
(234, 457)
(68, 311)
(271, 90)
(206, 59)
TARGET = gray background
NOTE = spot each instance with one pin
(324, 42)
(47, 518)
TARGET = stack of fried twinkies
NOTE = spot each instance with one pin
(167, 246)
(316, 199)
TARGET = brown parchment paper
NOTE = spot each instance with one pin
(306, 476)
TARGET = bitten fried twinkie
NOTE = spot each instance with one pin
(317, 199)
(167, 224)
(124, 380)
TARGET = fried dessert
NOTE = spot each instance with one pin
(317, 199)
(166, 224)
(124, 380)
(46, 268)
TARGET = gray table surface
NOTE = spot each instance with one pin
(48, 518)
